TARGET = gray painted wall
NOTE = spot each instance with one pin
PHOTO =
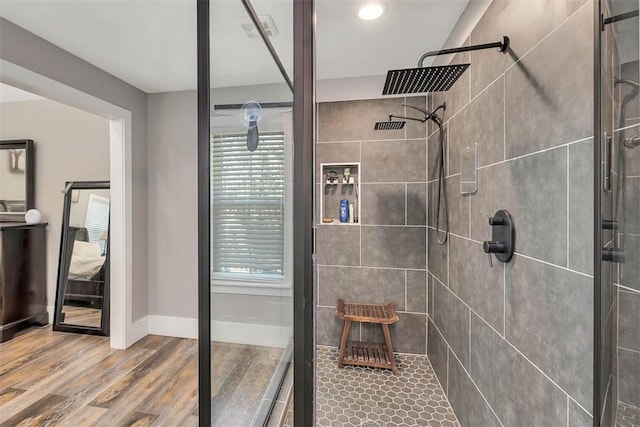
(70, 145)
(25, 49)
(172, 200)
(513, 344)
(383, 258)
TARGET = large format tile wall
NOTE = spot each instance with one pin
(383, 257)
(512, 344)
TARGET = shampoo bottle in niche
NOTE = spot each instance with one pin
(344, 210)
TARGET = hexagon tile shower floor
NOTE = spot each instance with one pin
(365, 397)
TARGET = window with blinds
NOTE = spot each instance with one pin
(97, 220)
(247, 207)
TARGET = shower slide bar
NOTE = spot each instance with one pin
(503, 46)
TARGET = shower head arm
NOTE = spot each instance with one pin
(393, 116)
(503, 46)
(428, 114)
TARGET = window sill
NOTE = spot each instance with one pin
(250, 288)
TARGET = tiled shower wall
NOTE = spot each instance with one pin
(383, 257)
(512, 344)
(625, 386)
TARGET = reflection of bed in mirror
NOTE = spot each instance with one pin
(85, 267)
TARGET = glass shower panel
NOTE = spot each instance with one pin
(620, 192)
(251, 217)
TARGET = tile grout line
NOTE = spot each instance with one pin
(534, 153)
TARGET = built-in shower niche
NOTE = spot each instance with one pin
(340, 181)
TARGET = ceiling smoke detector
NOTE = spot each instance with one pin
(267, 24)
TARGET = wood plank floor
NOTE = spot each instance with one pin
(62, 379)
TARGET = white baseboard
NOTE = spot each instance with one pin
(180, 327)
(250, 333)
(232, 332)
(138, 330)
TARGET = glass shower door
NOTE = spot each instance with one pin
(619, 394)
(251, 215)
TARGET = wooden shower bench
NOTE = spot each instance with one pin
(375, 355)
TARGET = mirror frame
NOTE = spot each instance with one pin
(103, 330)
(29, 173)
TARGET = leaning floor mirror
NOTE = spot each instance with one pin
(82, 298)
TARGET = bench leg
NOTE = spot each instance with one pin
(343, 341)
(387, 340)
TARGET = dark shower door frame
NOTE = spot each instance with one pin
(303, 131)
(597, 209)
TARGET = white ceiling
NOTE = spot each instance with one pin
(152, 43)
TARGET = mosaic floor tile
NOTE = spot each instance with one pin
(366, 397)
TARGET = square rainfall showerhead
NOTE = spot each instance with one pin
(390, 125)
(420, 80)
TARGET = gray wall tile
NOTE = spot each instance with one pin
(515, 389)
(467, 402)
(629, 386)
(629, 318)
(338, 244)
(452, 318)
(534, 190)
(437, 354)
(574, 5)
(477, 284)
(632, 206)
(525, 22)
(481, 122)
(355, 120)
(549, 318)
(368, 285)
(394, 161)
(578, 417)
(330, 328)
(416, 291)
(430, 284)
(408, 335)
(457, 204)
(631, 268)
(581, 207)
(416, 204)
(397, 247)
(632, 156)
(383, 204)
(559, 104)
(438, 258)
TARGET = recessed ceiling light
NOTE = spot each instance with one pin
(370, 11)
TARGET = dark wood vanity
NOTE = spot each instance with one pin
(23, 277)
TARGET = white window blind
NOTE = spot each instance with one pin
(97, 220)
(247, 206)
